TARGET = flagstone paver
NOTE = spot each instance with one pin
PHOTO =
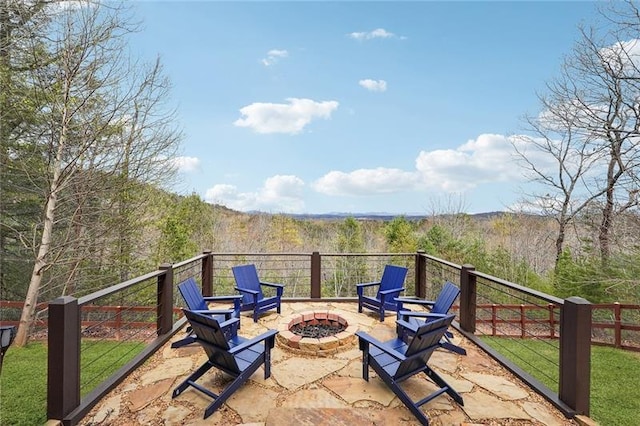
(313, 398)
(248, 406)
(480, 405)
(170, 369)
(459, 384)
(321, 391)
(142, 397)
(541, 413)
(318, 417)
(296, 372)
(497, 385)
(354, 369)
(352, 390)
(444, 361)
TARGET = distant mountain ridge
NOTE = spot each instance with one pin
(378, 216)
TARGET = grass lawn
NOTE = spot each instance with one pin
(615, 394)
(23, 382)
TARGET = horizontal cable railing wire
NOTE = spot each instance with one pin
(290, 269)
(517, 322)
(112, 337)
(342, 271)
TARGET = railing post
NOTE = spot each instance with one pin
(316, 267)
(63, 357)
(207, 273)
(575, 354)
(165, 299)
(468, 299)
(421, 275)
(552, 322)
(617, 324)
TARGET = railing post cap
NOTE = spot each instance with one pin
(208, 251)
(166, 266)
(468, 266)
(62, 300)
(577, 300)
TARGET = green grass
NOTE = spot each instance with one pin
(615, 394)
(23, 381)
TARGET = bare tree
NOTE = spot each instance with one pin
(587, 134)
(101, 128)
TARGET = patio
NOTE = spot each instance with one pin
(322, 390)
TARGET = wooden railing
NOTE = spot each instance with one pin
(517, 318)
(317, 277)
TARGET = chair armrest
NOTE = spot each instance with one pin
(279, 287)
(427, 315)
(244, 345)
(213, 311)
(368, 284)
(222, 298)
(393, 290)
(378, 344)
(360, 287)
(407, 325)
(232, 323)
(228, 313)
(246, 290)
(415, 301)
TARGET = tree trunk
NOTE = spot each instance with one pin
(29, 309)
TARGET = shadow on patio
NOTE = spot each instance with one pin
(306, 390)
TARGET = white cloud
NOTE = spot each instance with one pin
(280, 193)
(366, 182)
(186, 164)
(273, 56)
(377, 33)
(486, 159)
(373, 85)
(290, 118)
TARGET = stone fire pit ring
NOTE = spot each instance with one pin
(324, 346)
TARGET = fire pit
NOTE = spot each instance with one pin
(317, 333)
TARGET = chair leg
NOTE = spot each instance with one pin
(406, 400)
(444, 385)
(229, 390)
(192, 378)
(183, 342)
(453, 348)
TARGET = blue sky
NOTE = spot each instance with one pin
(316, 107)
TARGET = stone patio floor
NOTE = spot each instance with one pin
(304, 390)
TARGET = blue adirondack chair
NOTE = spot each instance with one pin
(442, 305)
(250, 286)
(396, 360)
(237, 356)
(196, 302)
(389, 288)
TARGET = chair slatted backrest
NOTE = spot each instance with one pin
(213, 341)
(392, 277)
(446, 298)
(192, 295)
(246, 277)
(424, 342)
